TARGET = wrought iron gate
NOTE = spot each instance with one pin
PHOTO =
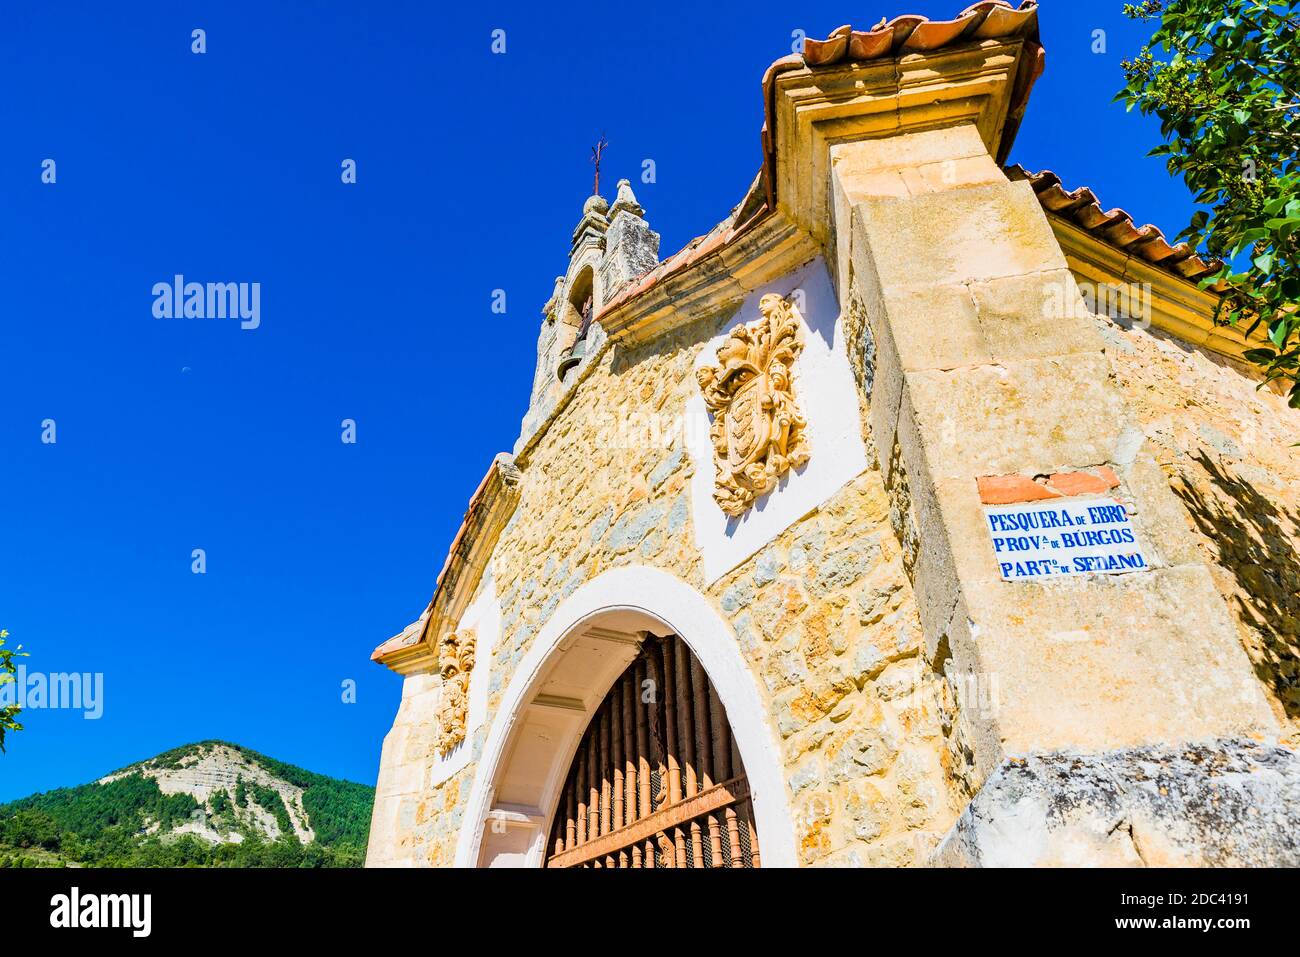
(656, 780)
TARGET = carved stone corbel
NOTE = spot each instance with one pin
(455, 662)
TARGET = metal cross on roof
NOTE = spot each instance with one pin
(596, 152)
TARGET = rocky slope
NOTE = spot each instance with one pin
(212, 774)
(207, 804)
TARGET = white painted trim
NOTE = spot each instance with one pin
(827, 395)
(687, 613)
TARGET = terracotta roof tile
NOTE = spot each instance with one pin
(991, 19)
(1115, 226)
(692, 252)
(408, 636)
(987, 20)
(910, 33)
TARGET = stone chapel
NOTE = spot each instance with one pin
(916, 514)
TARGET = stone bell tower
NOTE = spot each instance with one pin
(611, 246)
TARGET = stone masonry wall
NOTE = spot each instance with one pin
(824, 614)
(1227, 451)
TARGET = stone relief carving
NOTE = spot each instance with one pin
(757, 431)
(455, 662)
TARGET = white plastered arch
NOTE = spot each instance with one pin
(681, 610)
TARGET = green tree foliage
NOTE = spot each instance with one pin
(126, 822)
(9, 712)
(126, 802)
(29, 828)
(1223, 76)
(339, 811)
(270, 799)
(219, 802)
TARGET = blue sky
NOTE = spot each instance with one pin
(375, 306)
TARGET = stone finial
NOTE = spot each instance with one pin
(632, 247)
(592, 227)
(626, 200)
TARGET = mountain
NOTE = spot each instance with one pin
(211, 804)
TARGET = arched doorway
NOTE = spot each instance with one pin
(656, 780)
(544, 711)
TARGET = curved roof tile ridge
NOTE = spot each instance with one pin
(911, 33)
(1116, 228)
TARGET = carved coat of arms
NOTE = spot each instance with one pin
(757, 430)
(455, 662)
